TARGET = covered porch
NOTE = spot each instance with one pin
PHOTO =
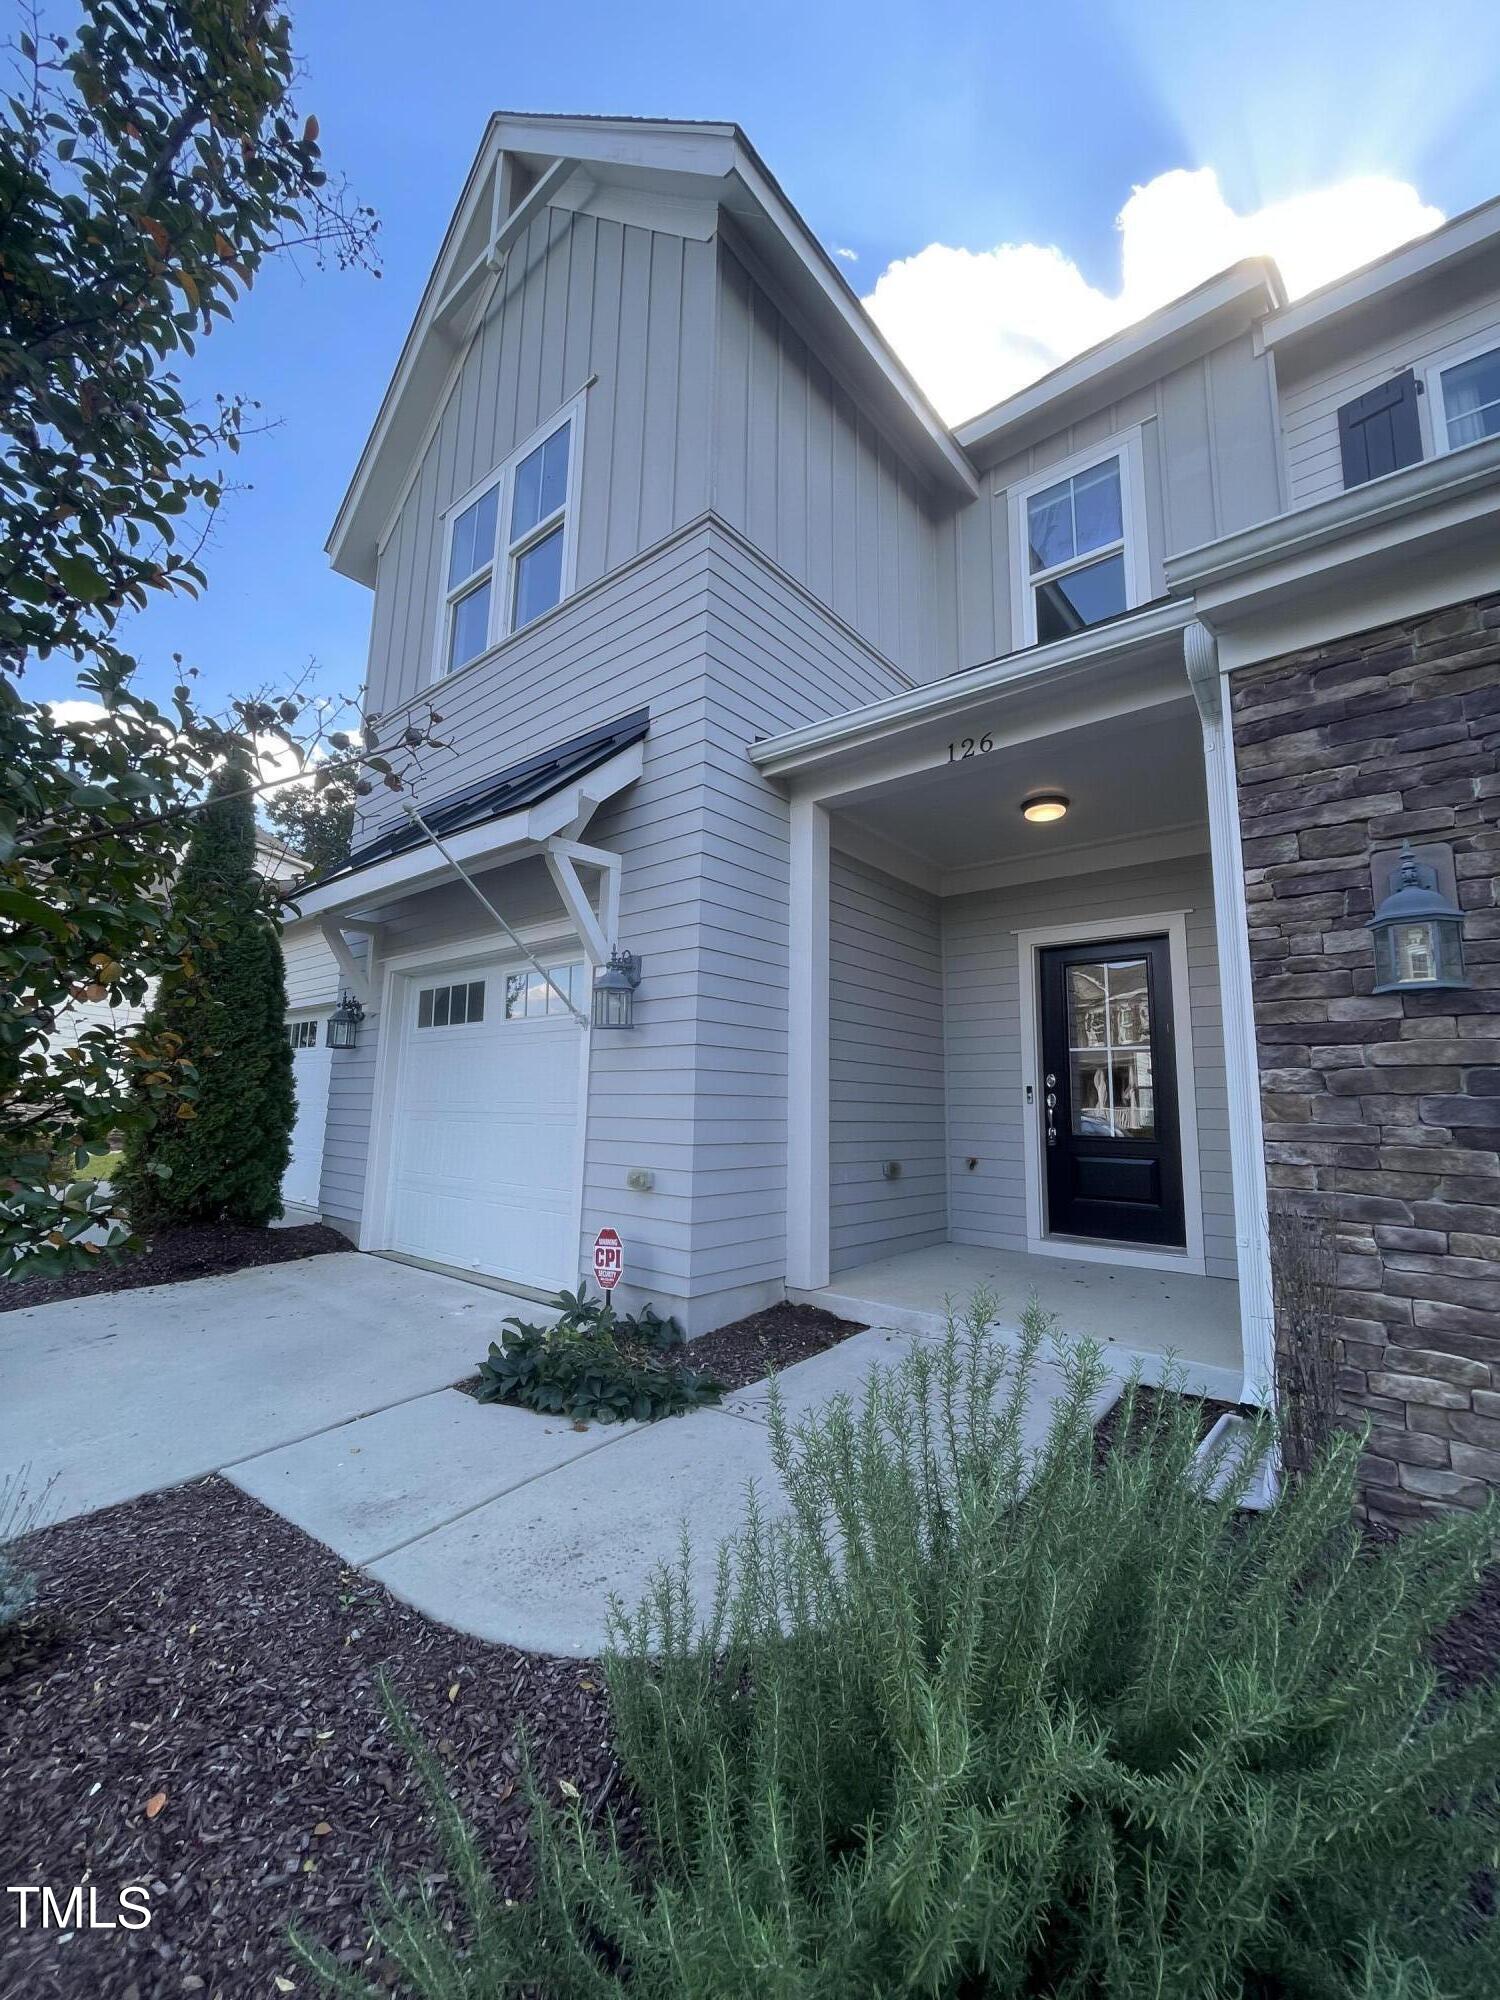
(1020, 1049)
(1141, 1318)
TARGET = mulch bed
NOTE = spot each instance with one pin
(747, 1350)
(202, 1651)
(206, 1250)
(1146, 1402)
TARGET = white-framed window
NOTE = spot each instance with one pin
(1463, 392)
(508, 545)
(460, 1006)
(302, 1034)
(1078, 543)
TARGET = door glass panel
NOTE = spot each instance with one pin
(1109, 1050)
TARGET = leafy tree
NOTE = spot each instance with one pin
(150, 163)
(317, 818)
(221, 1156)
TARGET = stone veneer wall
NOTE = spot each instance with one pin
(1383, 1111)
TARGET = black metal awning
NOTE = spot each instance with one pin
(510, 790)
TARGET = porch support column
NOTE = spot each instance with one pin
(807, 1050)
(1232, 923)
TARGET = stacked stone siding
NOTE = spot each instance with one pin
(1382, 1111)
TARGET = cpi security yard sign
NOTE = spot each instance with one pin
(609, 1259)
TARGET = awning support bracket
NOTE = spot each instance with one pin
(465, 877)
(351, 972)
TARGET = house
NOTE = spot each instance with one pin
(992, 817)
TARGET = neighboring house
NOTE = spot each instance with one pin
(975, 799)
(311, 990)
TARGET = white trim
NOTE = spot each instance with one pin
(1126, 447)
(1247, 1158)
(808, 1174)
(1437, 403)
(401, 972)
(1136, 850)
(880, 722)
(512, 835)
(1461, 237)
(1040, 1242)
(1237, 295)
(500, 570)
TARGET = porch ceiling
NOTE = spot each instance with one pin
(1128, 779)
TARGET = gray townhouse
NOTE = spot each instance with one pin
(870, 858)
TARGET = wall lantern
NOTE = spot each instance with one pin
(1042, 808)
(614, 990)
(343, 1022)
(1418, 933)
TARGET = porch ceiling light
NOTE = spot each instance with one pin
(1419, 934)
(1044, 807)
(614, 990)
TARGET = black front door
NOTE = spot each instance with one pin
(1109, 1092)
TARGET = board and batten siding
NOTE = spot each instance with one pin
(987, 1067)
(886, 1076)
(581, 298)
(1415, 331)
(807, 476)
(1209, 451)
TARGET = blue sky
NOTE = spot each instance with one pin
(893, 128)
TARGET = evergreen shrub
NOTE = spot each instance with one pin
(220, 1156)
(972, 1718)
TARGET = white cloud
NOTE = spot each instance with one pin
(76, 711)
(976, 325)
(849, 256)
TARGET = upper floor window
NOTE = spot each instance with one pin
(1080, 545)
(1466, 400)
(509, 546)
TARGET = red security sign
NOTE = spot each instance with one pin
(609, 1259)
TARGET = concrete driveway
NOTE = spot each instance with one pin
(322, 1389)
(119, 1394)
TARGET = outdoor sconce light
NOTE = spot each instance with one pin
(343, 1022)
(1042, 808)
(1418, 933)
(614, 990)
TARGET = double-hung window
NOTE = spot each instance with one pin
(1076, 533)
(1466, 399)
(507, 550)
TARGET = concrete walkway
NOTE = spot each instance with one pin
(321, 1389)
(120, 1394)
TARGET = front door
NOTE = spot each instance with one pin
(1109, 1092)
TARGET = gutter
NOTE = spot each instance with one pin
(777, 755)
(1417, 489)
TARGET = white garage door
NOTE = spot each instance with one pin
(311, 1061)
(487, 1125)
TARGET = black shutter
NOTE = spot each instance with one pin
(1381, 432)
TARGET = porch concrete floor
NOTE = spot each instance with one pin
(1146, 1314)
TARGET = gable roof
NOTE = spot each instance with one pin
(1214, 311)
(527, 160)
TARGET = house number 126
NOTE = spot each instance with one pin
(970, 746)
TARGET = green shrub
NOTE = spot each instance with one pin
(220, 1157)
(594, 1364)
(968, 1720)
